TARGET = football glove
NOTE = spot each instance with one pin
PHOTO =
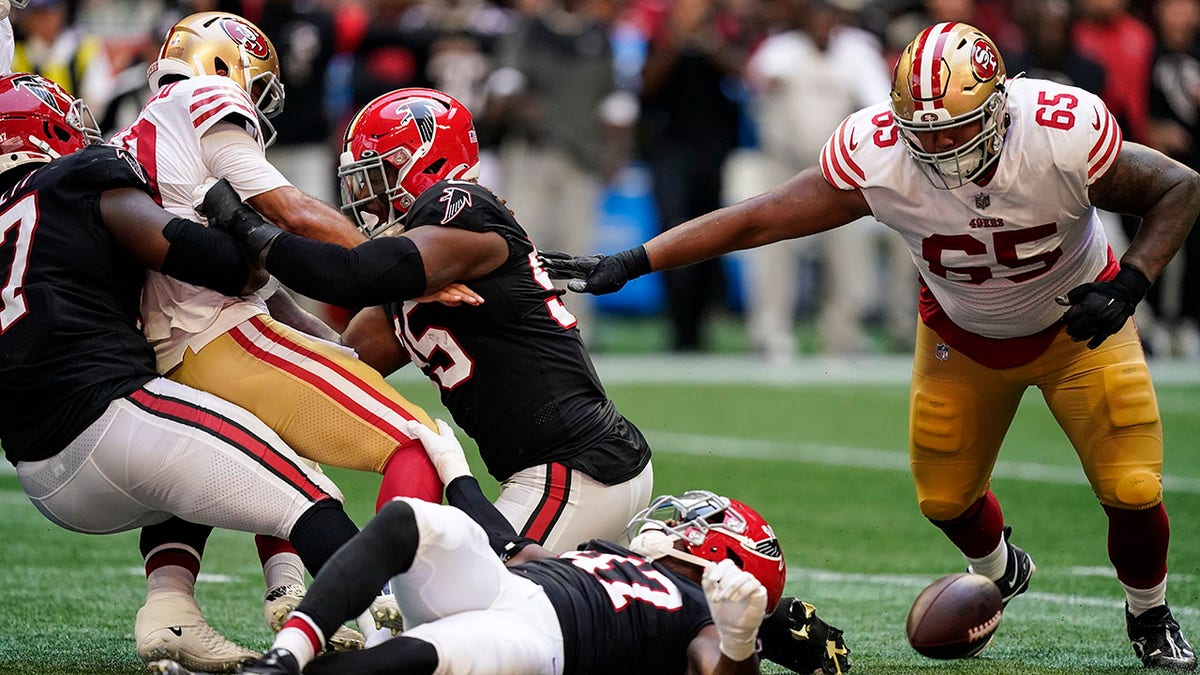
(596, 274)
(223, 208)
(443, 449)
(794, 637)
(737, 602)
(1101, 308)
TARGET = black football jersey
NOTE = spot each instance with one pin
(69, 340)
(513, 371)
(619, 613)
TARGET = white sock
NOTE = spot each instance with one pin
(170, 579)
(298, 642)
(993, 564)
(1142, 599)
(283, 569)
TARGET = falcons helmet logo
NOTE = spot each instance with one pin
(33, 84)
(456, 199)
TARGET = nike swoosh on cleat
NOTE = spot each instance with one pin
(177, 630)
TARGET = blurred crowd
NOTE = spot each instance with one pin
(717, 99)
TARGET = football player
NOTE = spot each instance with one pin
(994, 182)
(216, 83)
(101, 442)
(512, 371)
(693, 593)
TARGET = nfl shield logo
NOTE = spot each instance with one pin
(982, 201)
(942, 352)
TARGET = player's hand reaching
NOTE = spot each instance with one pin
(443, 449)
(794, 637)
(738, 602)
(597, 274)
(223, 208)
(1101, 308)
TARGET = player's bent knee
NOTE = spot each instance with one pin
(1135, 490)
(1130, 395)
(940, 510)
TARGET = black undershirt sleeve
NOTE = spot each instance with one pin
(205, 257)
(464, 494)
(388, 269)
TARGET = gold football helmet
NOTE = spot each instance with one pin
(220, 43)
(950, 76)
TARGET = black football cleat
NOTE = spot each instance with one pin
(1157, 640)
(1017, 571)
(274, 662)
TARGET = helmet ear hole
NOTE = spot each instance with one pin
(436, 166)
(219, 66)
(737, 559)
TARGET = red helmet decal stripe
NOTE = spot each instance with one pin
(926, 83)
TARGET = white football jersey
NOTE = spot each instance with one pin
(165, 138)
(994, 256)
(7, 46)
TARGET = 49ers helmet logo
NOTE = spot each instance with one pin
(245, 35)
(983, 59)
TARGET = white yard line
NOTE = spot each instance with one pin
(865, 458)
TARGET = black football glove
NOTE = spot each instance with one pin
(596, 274)
(225, 211)
(1101, 308)
(794, 637)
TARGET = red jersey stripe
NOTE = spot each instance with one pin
(328, 388)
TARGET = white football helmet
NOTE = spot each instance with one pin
(951, 75)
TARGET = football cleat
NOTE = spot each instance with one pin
(167, 667)
(281, 600)
(170, 626)
(386, 612)
(1157, 640)
(1017, 572)
(274, 662)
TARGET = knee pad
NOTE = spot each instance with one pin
(1137, 489)
(941, 510)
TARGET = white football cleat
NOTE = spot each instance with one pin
(281, 600)
(170, 626)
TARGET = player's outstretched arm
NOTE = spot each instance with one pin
(178, 247)
(371, 335)
(306, 216)
(463, 492)
(804, 205)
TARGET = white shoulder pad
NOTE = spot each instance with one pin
(1071, 124)
(864, 148)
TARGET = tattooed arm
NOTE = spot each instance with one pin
(1166, 194)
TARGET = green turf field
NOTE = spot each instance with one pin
(823, 458)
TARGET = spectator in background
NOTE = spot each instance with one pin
(1124, 46)
(388, 54)
(1049, 53)
(566, 124)
(302, 31)
(817, 71)
(1175, 130)
(47, 45)
(689, 126)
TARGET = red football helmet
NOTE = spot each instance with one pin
(396, 147)
(712, 528)
(39, 121)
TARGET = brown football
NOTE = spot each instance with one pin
(955, 616)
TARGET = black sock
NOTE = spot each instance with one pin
(401, 654)
(350, 580)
